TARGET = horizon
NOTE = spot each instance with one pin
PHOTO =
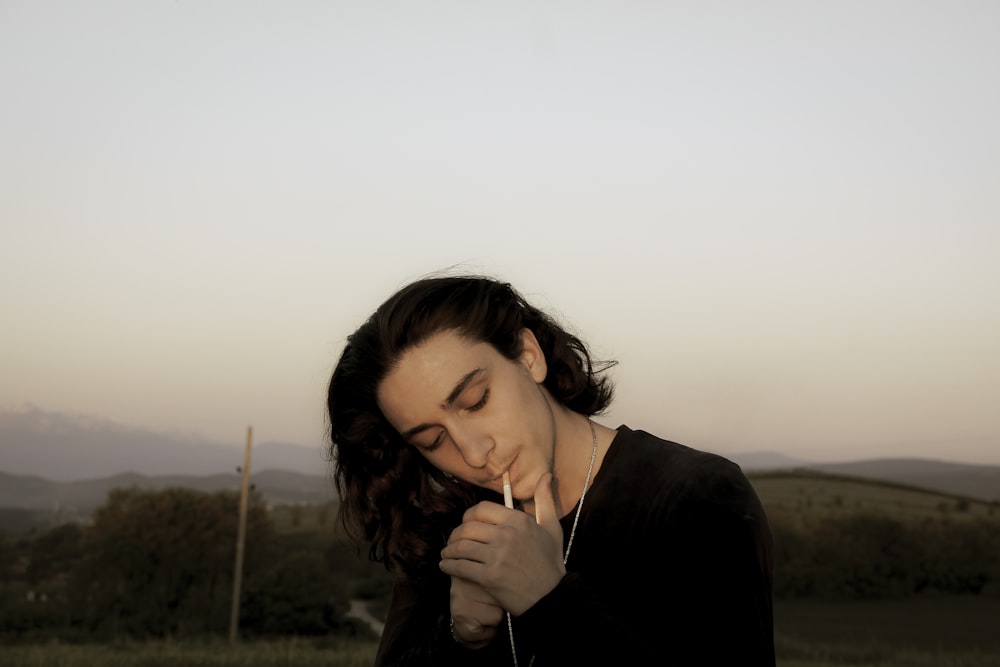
(92, 422)
(782, 224)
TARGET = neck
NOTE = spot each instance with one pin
(572, 454)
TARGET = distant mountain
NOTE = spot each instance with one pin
(765, 460)
(62, 447)
(55, 447)
(974, 481)
(49, 502)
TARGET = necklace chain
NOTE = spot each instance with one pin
(572, 534)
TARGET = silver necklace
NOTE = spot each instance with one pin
(572, 534)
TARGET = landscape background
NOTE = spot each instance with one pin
(880, 561)
(57, 467)
(780, 218)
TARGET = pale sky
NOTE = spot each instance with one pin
(781, 218)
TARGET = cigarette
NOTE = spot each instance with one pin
(508, 497)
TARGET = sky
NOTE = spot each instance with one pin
(782, 219)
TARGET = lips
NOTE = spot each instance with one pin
(509, 469)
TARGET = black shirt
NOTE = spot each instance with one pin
(671, 565)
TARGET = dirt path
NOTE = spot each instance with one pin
(359, 610)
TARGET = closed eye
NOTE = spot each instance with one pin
(482, 401)
(479, 405)
(433, 445)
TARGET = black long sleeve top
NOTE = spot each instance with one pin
(671, 565)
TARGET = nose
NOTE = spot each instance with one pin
(474, 446)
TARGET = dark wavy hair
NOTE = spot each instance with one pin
(391, 498)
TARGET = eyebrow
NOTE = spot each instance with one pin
(452, 397)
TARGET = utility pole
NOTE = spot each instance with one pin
(234, 613)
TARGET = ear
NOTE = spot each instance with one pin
(532, 356)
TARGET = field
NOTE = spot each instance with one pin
(284, 653)
(939, 632)
(946, 632)
(805, 498)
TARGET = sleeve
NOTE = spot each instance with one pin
(687, 584)
(417, 631)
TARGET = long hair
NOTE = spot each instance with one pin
(391, 497)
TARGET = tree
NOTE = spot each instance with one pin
(54, 553)
(297, 596)
(160, 563)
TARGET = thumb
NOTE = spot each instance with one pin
(545, 509)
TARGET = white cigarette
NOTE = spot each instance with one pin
(508, 497)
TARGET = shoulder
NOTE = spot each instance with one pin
(656, 467)
(637, 448)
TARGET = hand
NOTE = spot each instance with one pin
(475, 615)
(515, 558)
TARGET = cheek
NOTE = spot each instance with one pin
(531, 402)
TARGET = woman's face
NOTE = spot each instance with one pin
(472, 412)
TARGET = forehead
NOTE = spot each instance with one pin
(427, 373)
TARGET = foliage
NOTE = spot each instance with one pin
(296, 596)
(8, 558)
(54, 553)
(160, 563)
(367, 580)
(868, 557)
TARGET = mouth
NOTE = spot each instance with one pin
(506, 472)
(508, 494)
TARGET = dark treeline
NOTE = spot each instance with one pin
(862, 556)
(160, 564)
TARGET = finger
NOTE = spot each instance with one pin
(545, 508)
(478, 531)
(461, 567)
(487, 512)
(467, 549)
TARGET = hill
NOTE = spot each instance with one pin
(28, 502)
(976, 481)
(803, 496)
(62, 447)
(55, 466)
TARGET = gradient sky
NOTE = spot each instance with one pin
(782, 218)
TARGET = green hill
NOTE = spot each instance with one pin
(804, 496)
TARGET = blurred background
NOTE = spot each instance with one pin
(781, 218)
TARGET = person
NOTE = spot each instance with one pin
(615, 546)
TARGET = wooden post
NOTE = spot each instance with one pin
(234, 612)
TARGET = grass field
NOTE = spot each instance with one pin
(930, 624)
(290, 653)
(806, 498)
(283, 653)
(946, 632)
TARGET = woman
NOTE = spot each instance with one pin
(614, 546)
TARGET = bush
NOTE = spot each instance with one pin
(868, 557)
